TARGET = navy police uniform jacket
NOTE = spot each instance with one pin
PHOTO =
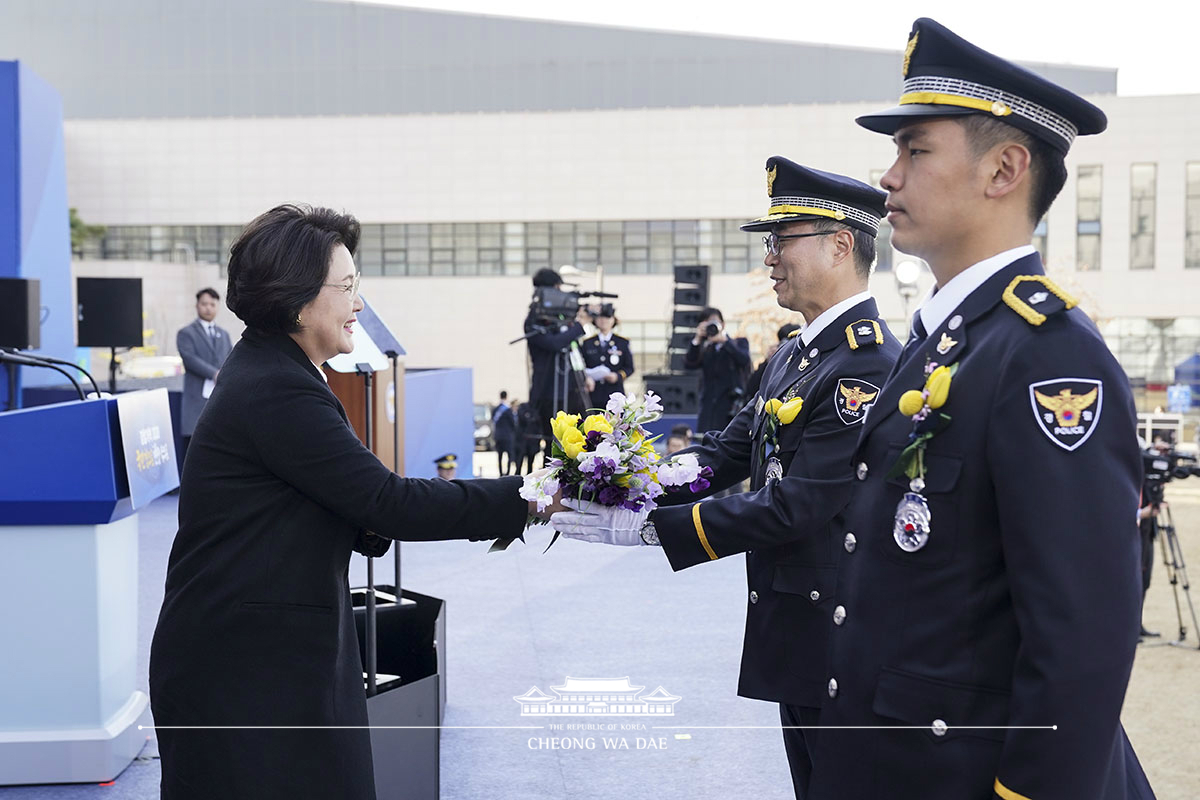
(614, 354)
(1020, 611)
(790, 529)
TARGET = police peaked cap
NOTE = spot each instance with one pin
(799, 193)
(945, 75)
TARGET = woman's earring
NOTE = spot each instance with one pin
(298, 319)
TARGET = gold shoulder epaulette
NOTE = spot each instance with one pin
(865, 331)
(1036, 297)
(794, 334)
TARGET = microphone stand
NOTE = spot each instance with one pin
(369, 434)
(27, 361)
(63, 362)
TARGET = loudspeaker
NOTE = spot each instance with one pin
(691, 295)
(109, 312)
(676, 361)
(20, 313)
(696, 273)
(686, 319)
(682, 340)
(680, 393)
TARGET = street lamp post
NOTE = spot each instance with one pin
(907, 273)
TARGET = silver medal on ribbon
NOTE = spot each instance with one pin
(911, 528)
(774, 469)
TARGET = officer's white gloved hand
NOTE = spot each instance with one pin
(592, 522)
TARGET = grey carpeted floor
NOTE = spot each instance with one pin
(520, 619)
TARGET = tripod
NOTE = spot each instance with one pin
(1176, 568)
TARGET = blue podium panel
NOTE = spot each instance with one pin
(65, 464)
(57, 465)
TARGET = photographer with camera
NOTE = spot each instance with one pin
(725, 365)
(553, 325)
(1152, 498)
(1162, 463)
(607, 358)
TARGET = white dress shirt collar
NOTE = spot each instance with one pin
(829, 315)
(941, 304)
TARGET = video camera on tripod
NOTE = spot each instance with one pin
(1162, 467)
(550, 303)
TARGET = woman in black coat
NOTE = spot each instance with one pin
(256, 627)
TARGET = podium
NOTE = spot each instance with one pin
(72, 476)
(401, 634)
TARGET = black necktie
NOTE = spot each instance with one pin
(916, 335)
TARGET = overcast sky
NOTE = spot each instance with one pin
(1154, 45)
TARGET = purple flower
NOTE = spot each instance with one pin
(612, 496)
(699, 485)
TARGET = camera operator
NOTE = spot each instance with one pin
(725, 365)
(1152, 498)
(550, 336)
(607, 358)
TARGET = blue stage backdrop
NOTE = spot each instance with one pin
(35, 238)
(438, 419)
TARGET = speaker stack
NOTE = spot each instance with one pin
(678, 387)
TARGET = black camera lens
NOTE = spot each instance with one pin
(711, 329)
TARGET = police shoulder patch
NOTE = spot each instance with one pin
(1035, 298)
(853, 398)
(865, 331)
(1067, 409)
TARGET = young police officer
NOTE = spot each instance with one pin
(820, 246)
(989, 592)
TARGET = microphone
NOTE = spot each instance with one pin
(26, 361)
(52, 360)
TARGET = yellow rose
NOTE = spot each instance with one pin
(787, 412)
(773, 405)
(911, 402)
(562, 423)
(597, 422)
(572, 443)
(938, 387)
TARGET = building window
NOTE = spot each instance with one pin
(1142, 187)
(1039, 238)
(1191, 240)
(1087, 213)
(884, 254)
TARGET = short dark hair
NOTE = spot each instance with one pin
(708, 311)
(1047, 168)
(547, 277)
(280, 260)
(864, 244)
(503, 395)
(211, 292)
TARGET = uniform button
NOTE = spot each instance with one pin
(851, 542)
(833, 687)
(754, 597)
(839, 615)
(862, 470)
(939, 727)
(814, 595)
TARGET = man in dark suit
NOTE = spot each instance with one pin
(820, 246)
(724, 364)
(203, 346)
(988, 592)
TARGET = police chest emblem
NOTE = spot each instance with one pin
(1067, 409)
(852, 399)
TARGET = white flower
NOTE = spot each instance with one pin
(653, 404)
(616, 405)
(540, 486)
(680, 470)
(605, 451)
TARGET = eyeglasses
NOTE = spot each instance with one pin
(352, 289)
(771, 240)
